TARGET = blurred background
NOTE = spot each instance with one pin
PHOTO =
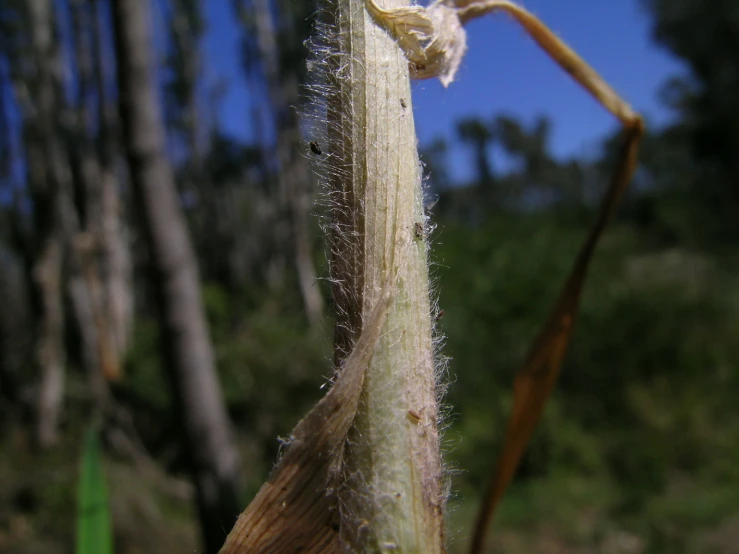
(195, 321)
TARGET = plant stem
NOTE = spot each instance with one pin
(392, 499)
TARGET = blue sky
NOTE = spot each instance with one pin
(503, 71)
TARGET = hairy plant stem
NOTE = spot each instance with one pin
(392, 497)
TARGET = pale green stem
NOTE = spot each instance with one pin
(392, 500)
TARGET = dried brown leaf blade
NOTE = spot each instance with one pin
(535, 380)
(296, 509)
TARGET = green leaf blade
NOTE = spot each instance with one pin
(94, 531)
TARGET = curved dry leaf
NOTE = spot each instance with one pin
(444, 52)
(432, 38)
(296, 509)
(409, 25)
(535, 380)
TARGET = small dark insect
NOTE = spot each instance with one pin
(314, 147)
(439, 315)
(419, 231)
(402, 102)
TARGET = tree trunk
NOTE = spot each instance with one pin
(93, 349)
(187, 348)
(48, 177)
(114, 248)
(293, 171)
(83, 221)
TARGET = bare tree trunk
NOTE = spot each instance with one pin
(83, 295)
(186, 33)
(48, 176)
(187, 347)
(82, 277)
(50, 353)
(115, 253)
(293, 171)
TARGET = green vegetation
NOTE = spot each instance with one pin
(94, 534)
(641, 435)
